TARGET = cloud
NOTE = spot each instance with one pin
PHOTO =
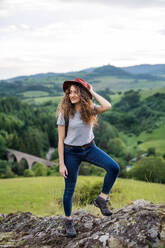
(162, 31)
(4, 13)
(15, 28)
(124, 3)
(60, 35)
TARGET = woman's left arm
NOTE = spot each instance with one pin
(105, 105)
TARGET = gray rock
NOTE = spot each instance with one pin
(103, 239)
(138, 225)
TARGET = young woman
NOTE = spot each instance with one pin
(77, 115)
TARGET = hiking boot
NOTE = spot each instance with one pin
(102, 204)
(69, 228)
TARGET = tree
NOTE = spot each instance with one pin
(34, 141)
(104, 132)
(40, 169)
(54, 155)
(151, 151)
(9, 173)
(2, 147)
(5, 169)
(3, 166)
(130, 100)
(116, 146)
(150, 169)
(28, 173)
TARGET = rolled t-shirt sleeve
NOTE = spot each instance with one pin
(96, 106)
(60, 120)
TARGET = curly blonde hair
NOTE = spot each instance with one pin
(67, 108)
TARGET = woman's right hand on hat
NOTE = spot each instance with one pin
(63, 171)
(91, 89)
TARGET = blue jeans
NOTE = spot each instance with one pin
(73, 156)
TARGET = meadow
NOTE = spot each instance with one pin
(42, 196)
(155, 139)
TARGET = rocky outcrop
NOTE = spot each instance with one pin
(140, 224)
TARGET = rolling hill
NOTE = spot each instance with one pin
(107, 76)
(158, 69)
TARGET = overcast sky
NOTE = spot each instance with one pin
(39, 36)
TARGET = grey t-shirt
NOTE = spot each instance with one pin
(78, 133)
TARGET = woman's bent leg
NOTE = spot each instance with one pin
(72, 163)
(98, 157)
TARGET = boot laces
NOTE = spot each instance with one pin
(69, 224)
(104, 205)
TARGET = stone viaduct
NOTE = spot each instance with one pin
(31, 159)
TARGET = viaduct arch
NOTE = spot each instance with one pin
(31, 159)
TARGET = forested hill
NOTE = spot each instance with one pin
(134, 72)
(132, 119)
(25, 128)
(102, 78)
(158, 69)
(33, 130)
(133, 115)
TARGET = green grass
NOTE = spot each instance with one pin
(155, 139)
(40, 97)
(43, 195)
(112, 83)
(35, 93)
(149, 92)
(116, 98)
(124, 84)
(143, 94)
(41, 100)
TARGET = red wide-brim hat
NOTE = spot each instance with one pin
(79, 81)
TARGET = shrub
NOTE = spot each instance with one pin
(5, 169)
(17, 168)
(90, 169)
(128, 155)
(122, 164)
(54, 155)
(3, 166)
(53, 170)
(2, 147)
(39, 169)
(28, 173)
(151, 151)
(150, 169)
(87, 192)
(116, 146)
(9, 173)
(103, 132)
(20, 167)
